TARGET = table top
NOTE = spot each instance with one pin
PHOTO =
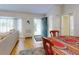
(71, 47)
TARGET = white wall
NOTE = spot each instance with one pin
(57, 10)
(74, 10)
(27, 29)
(54, 18)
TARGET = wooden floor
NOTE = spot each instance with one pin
(22, 44)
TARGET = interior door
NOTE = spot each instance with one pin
(65, 25)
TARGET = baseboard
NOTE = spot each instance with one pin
(27, 37)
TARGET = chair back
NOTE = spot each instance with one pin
(54, 33)
(48, 46)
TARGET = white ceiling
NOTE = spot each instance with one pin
(38, 8)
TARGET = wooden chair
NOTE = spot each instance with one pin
(54, 33)
(47, 46)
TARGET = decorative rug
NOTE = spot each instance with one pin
(33, 51)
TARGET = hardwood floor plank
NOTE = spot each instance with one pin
(22, 44)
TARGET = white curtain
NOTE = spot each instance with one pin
(6, 24)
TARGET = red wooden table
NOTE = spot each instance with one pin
(65, 45)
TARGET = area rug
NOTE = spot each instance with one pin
(33, 51)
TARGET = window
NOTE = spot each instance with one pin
(72, 25)
(38, 26)
(19, 25)
(6, 24)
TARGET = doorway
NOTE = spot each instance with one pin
(40, 28)
(67, 25)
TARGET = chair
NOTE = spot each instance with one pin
(47, 46)
(54, 33)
